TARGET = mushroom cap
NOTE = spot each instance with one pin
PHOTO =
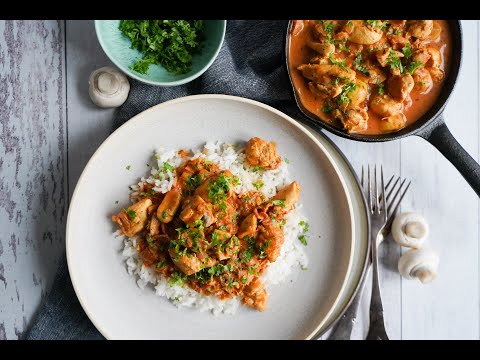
(419, 263)
(108, 87)
(410, 229)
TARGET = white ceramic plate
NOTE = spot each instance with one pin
(299, 308)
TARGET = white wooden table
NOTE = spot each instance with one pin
(49, 129)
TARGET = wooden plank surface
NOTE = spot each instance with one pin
(33, 166)
(33, 181)
(447, 308)
(88, 125)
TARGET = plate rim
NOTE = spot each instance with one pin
(314, 333)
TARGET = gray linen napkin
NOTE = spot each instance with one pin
(250, 64)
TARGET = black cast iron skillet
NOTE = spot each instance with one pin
(430, 126)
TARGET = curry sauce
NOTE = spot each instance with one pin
(369, 76)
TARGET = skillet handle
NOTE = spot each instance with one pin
(441, 137)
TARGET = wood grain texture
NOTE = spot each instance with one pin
(33, 176)
(33, 181)
(447, 308)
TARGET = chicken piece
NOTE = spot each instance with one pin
(297, 27)
(320, 60)
(434, 63)
(195, 208)
(289, 195)
(323, 91)
(384, 105)
(255, 295)
(169, 205)
(436, 31)
(384, 56)
(270, 239)
(322, 49)
(354, 119)
(154, 226)
(358, 94)
(398, 24)
(393, 123)
(248, 227)
(188, 264)
(226, 245)
(217, 181)
(260, 153)
(326, 74)
(420, 28)
(399, 87)
(398, 42)
(423, 79)
(361, 34)
(149, 255)
(134, 218)
(376, 75)
(321, 28)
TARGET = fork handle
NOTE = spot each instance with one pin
(344, 327)
(376, 329)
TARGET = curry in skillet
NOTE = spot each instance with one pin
(368, 76)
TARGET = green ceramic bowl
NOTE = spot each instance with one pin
(117, 47)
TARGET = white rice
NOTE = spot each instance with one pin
(228, 157)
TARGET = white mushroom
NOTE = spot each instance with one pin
(108, 87)
(410, 229)
(419, 263)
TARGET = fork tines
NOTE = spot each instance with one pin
(394, 190)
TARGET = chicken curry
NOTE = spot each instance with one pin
(203, 234)
(368, 76)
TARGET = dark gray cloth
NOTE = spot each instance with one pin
(250, 64)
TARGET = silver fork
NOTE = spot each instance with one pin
(378, 219)
(343, 329)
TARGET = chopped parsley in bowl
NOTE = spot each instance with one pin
(161, 52)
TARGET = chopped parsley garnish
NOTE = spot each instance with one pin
(244, 280)
(167, 167)
(177, 279)
(161, 264)
(342, 47)
(231, 283)
(413, 66)
(279, 202)
(218, 189)
(247, 254)
(407, 51)
(286, 160)
(258, 168)
(303, 236)
(340, 63)
(359, 65)
(164, 215)
(395, 62)
(381, 90)
(372, 23)
(343, 98)
(170, 43)
(261, 249)
(132, 214)
(258, 184)
(128, 167)
(329, 30)
(150, 242)
(194, 181)
(327, 109)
